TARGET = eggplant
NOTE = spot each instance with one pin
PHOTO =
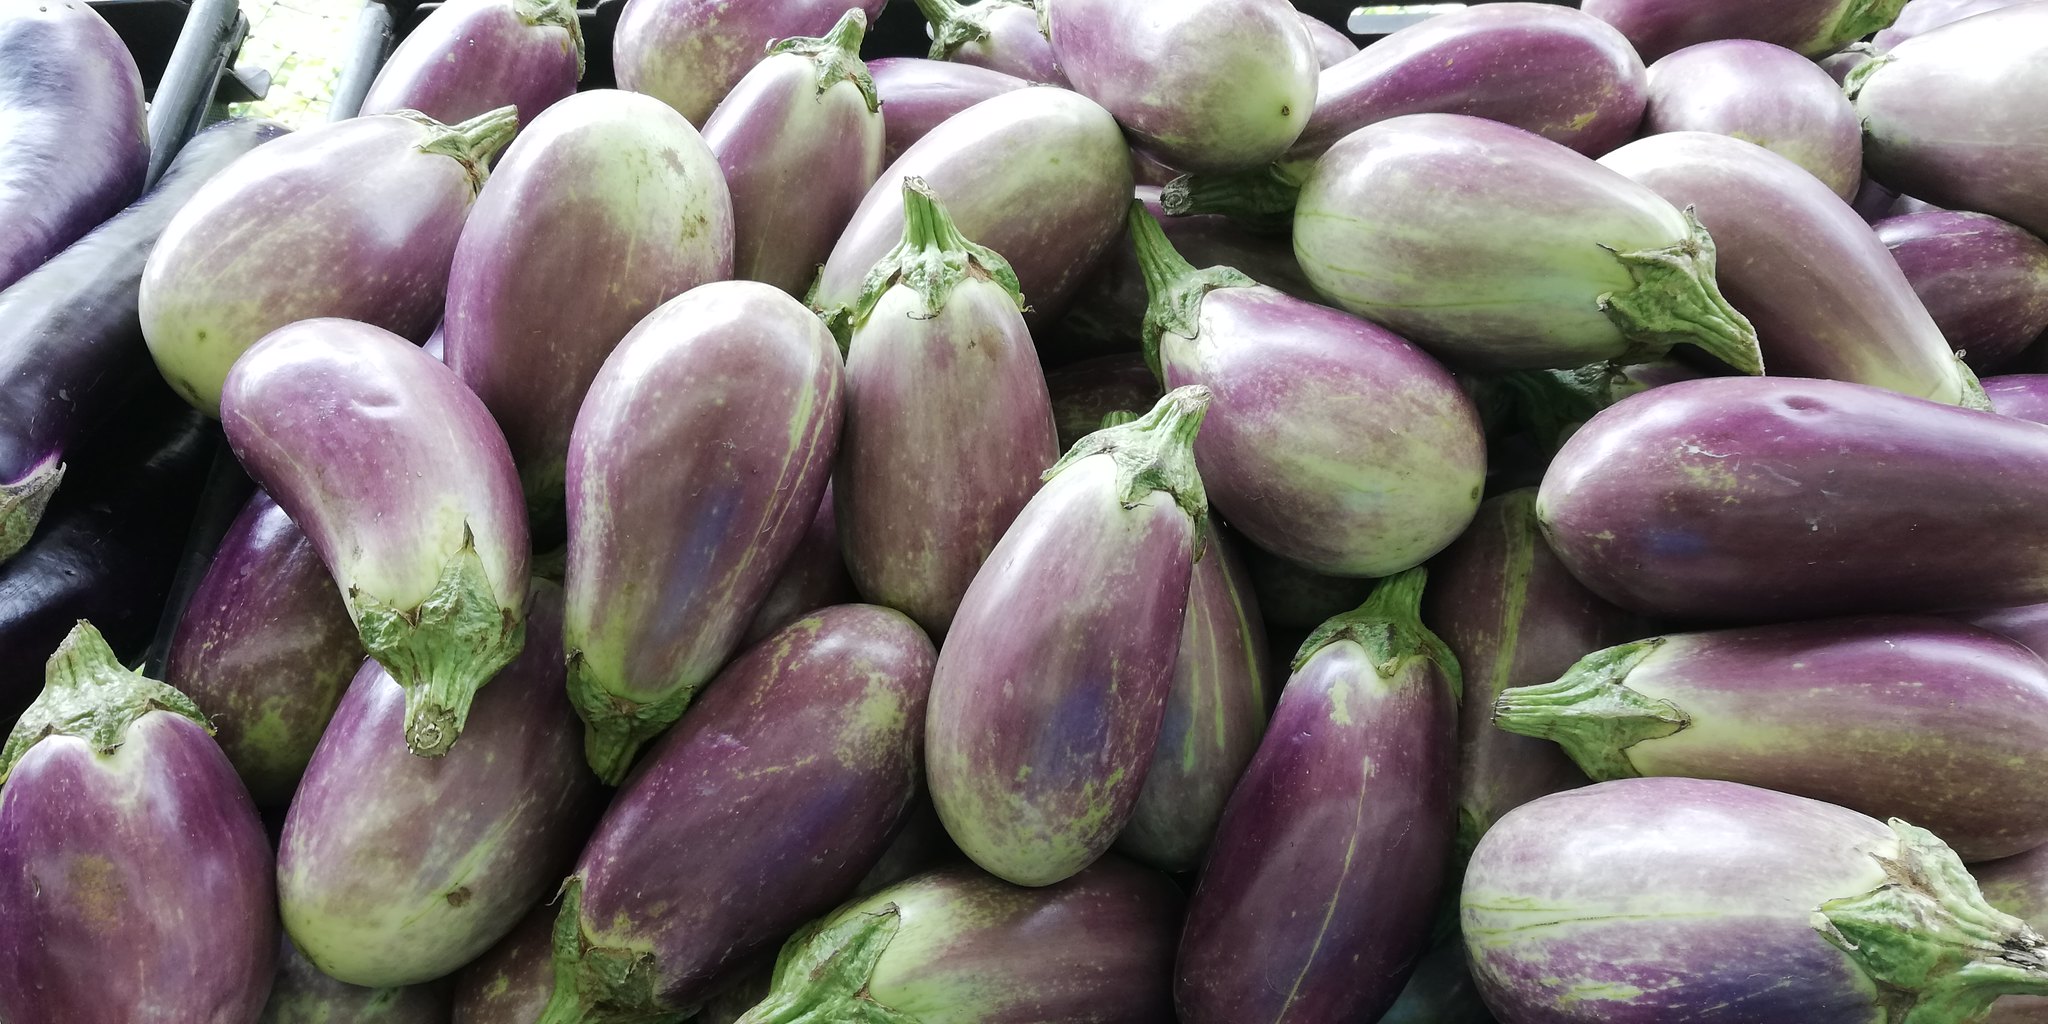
(1083, 393)
(1947, 116)
(1896, 716)
(1538, 257)
(1873, 201)
(74, 137)
(690, 53)
(1349, 809)
(1337, 445)
(135, 878)
(815, 577)
(1825, 298)
(730, 1005)
(1222, 85)
(2019, 395)
(1001, 35)
(1739, 500)
(1332, 46)
(70, 347)
(1295, 598)
(1713, 902)
(780, 789)
(805, 124)
(511, 983)
(1039, 175)
(266, 649)
(944, 396)
(1441, 991)
(957, 947)
(2026, 624)
(470, 57)
(405, 486)
(1215, 714)
(1919, 17)
(301, 994)
(920, 94)
(1084, 598)
(1815, 28)
(2017, 885)
(920, 845)
(1984, 281)
(696, 465)
(356, 219)
(1765, 94)
(607, 193)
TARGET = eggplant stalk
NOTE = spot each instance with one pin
(1591, 713)
(562, 15)
(1676, 300)
(1261, 196)
(22, 504)
(837, 56)
(933, 259)
(954, 24)
(89, 694)
(1155, 452)
(1389, 626)
(471, 143)
(1176, 287)
(598, 985)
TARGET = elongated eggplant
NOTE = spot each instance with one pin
(1984, 281)
(1000, 35)
(357, 219)
(815, 577)
(511, 983)
(1085, 597)
(607, 193)
(697, 463)
(1039, 175)
(944, 396)
(1332, 46)
(1824, 296)
(74, 140)
(957, 947)
(920, 93)
(1083, 393)
(1765, 94)
(1738, 500)
(1815, 28)
(396, 472)
(135, 879)
(471, 57)
(1441, 991)
(1919, 17)
(2026, 624)
(690, 53)
(2018, 886)
(780, 789)
(1223, 85)
(1945, 115)
(1337, 445)
(1696, 900)
(2019, 395)
(1536, 256)
(266, 649)
(303, 994)
(800, 139)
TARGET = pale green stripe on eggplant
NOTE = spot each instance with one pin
(1308, 962)
(559, 13)
(22, 504)
(471, 143)
(837, 56)
(1389, 627)
(1175, 287)
(1592, 713)
(89, 695)
(1518, 562)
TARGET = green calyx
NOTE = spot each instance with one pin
(837, 55)
(1928, 936)
(442, 650)
(933, 259)
(1974, 396)
(1389, 626)
(90, 695)
(1675, 300)
(1859, 76)
(1261, 197)
(599, 984)
(1155, 452)
(1551, 404)
(1117, 419)
(22, 503)
(1176, 287)
(471, 143)
(954, 24)
(822, 973)
(559, 13)
(1859, 19)
(614, 728)
(1591, 713)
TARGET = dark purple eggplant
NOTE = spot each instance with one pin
(1919, 17)
(1815, 28)
(471, 57)
(303, 994)
(1764, 94)
(1984, 281)
(1007, 36)
(779, 790)
(135, 878)
(815, 577)
(511, 983)
(2018, 886)
(920, 93)
(1332, 46)
(1083, 393)
(1348, 809)
(690, 53)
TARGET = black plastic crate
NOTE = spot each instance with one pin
(185, 51)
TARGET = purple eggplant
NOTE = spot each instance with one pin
(1296, 598)
(1000, 35)
(2026, 625)
(74, 142)
(1919, 17)
(696, 466)
(1083, 393)
(303, 994)
(1349, 809)
(944, 396)
(2018, 886)
(1764, 94)
(1039, 175)
(1897, 716)
(1222, 85)
(1502, 250)
(815, 577)
(1949, 116)
(396, 472)
(1873, 202)
(1336, 445)
(1839, 65)
(1441, 991)
(1332, 46)
(266, 649)
(1083, 599)
(357, 219)
(800, 139)
(607, 193)
(779, 790)
(471, 57)
(1815, 28)
(2019, 395)
(920, 93)
(957, 947)
(690, 53)
(1741, 500)
(920, 845)
(1984, 281)
(1651, 900)
(135, 879)
(511, 983)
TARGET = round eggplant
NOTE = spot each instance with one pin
(470, 57)
(1815, 28)
(1984, 281)
(1760, 93)
(1001, 35)
(690, 53)
(920, 93)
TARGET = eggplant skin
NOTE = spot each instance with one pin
(690, 53)
(1983, 280)
(471, 56)
(1815, 28)
(511, 982)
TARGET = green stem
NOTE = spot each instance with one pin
(1389, 626)
(615, 728)
(22, 503)
(598, 984)
(953, 26)
(1176, 287)
(90, 695)
(1261, 197)
(1974, 396)
(1859, 19)
(1591, 713)
(837, 55)
(471, 143)
(1117, 419)
(933, 259)
(1551, 404)
(1676, 300)
(822, 974)
(559, 13)
(1155, 452)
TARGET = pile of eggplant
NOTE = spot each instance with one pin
(1148, 513)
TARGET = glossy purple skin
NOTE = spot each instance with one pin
(2018, 886)
(1042, 176)
(2019, 395)
(1332, 46)
(1873, 202)
(1731, 499)
(1815, 28)
(1765, 94)
(1317, 897)
(266, 649)
(511, 983)
(1015, 44)
(690, 53)
(1083, 393)
(471, 56)
(780, 789)
(1983, 280)
(918, 94)
(301, 994)
(74, 145)
(133, 886)
(1922, 16)
(815, 577)
(2026, 624)
(1825, 297)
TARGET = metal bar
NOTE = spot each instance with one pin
(205, 46)
(367, 50)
